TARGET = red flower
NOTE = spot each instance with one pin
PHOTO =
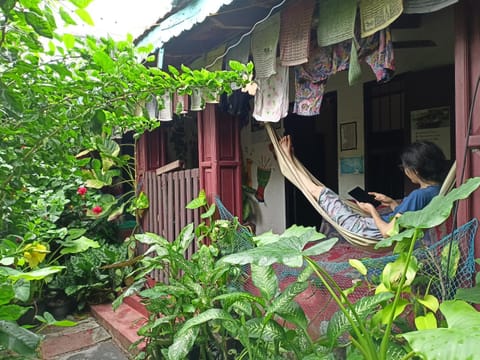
(97, 210)
(82, 190)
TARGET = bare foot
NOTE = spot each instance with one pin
(286, 144)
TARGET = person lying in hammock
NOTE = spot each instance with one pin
(423, 163)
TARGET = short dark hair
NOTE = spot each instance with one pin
(427, 159)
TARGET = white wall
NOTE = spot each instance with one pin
(270, 214)
(437, 27)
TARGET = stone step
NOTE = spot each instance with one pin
(122, 324)
(61, 341)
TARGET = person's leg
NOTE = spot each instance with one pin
(344, 216)
(312, 188)
(333, 205)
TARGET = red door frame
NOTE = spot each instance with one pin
(467, 73)
(220, 162)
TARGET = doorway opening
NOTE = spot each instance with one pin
(315, 144)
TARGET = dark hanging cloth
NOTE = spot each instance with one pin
(236, 104)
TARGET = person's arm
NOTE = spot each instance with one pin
(384, 227)
(385, 200)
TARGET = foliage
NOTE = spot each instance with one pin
(459, 340)
(94, 276)
(201, 307)
(370, 321)
(471, 295)
(61, 94)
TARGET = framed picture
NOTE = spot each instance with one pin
(348, 136)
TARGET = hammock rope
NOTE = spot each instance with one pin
(293, 170)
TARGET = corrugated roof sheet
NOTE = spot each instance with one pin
(181, 21)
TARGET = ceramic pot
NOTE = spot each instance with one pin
(165, 108)
(197, 103)
(180, 104)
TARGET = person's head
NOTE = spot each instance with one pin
(426, 159)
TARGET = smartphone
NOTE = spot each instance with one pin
(361, 195)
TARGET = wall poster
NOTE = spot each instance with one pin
(432, 124)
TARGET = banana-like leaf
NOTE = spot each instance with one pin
(182, 344)
(459, 341)
(265, 279)
(18, 339)
(269, 331)
(38, 274)
(339, 323)
(206, 316)
(293, 313)
(233, 297)
(287, 296)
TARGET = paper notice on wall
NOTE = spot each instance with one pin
(336, 21)
(425, 6)
(376, 15)
(432, 125)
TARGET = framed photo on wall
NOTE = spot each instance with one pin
(348, 136)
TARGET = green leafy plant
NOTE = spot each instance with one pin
(201, 309)
(94, 276)
(370, 321)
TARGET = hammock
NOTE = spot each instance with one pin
(292, 169)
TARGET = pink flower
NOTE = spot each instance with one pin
(97, 210)
(82, 190)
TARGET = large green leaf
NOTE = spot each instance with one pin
(18, 339)
(12, 312)
(293, 313)
(39, 24)
(265, 279)
(78, 245)
(182, 345)
(7, 293)
(434, 214)
(199, 201)
(286, 250)
(471, 295)
(459, 341)
(185, 238)
(286, 296)
(269, 331)
(233, 297)
(206, 316)
(38, 274)
(340, 323)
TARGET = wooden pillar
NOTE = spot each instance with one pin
(219, 158)
(467, 75)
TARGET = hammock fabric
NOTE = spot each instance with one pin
(292, 170)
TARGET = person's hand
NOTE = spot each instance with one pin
(385, 200)
(367, 208)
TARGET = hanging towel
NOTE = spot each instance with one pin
(295, 26)
(271, 99)
(336, 21)
(310, 78)
(377, 52)
(264, 46)
(376, 15)
(425, 6)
